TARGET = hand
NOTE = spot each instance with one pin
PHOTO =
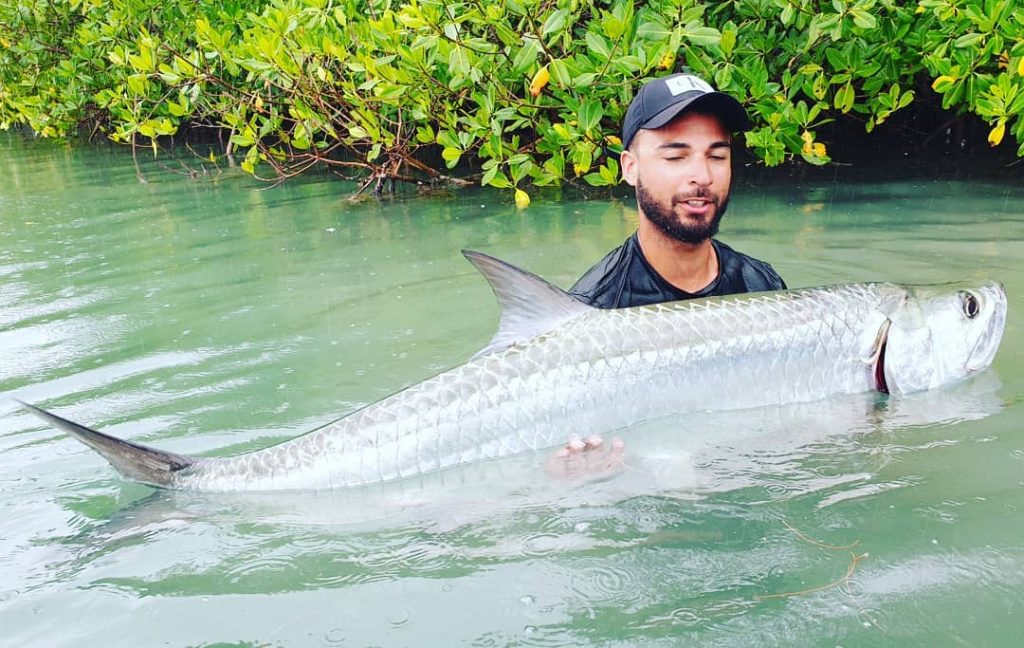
(587, 459)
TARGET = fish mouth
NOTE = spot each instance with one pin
(878, 357)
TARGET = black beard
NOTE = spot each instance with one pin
(666, 220)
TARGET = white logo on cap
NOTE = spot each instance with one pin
(685, 83)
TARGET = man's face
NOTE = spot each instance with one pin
(682, 173)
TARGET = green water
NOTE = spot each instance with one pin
(212, 316)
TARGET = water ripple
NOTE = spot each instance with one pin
(620, 585)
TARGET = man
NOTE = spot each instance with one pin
(677, 152)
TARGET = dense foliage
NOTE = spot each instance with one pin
(529, 91)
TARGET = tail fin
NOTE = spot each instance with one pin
(136, 462)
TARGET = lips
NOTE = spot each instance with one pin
(878, 357)
(695, 205)
(880, 385)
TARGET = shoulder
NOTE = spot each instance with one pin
(600, 285)
(755, 275)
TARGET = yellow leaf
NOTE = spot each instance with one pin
(996, 134)
(613, 140)
(943, 80)
(667, 61)
(809, 145)
(522, 199)
(1020, 66)
(819, 149)
(540, 79)
(259, 102)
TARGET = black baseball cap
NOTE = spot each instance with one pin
(660, 100)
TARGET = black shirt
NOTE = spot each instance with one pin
(624, 278)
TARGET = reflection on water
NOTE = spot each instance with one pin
(213, 317)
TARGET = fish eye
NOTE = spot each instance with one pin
(970, 305)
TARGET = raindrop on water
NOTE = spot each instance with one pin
(335, 637)
(399, 618)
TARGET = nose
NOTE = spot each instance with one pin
(699, 172)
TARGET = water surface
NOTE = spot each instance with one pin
(211, 315)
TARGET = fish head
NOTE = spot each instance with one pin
(940, 334)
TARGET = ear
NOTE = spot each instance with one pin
(628, 163)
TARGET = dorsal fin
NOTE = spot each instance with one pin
(529, 305)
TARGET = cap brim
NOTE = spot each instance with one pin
(726, 108)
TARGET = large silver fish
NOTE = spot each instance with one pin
(557, 366)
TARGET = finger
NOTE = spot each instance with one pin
(594, 441)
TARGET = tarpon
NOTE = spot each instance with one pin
(557, 366)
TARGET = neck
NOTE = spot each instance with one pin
(687, 266)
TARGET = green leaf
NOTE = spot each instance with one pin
(653, 31)
(458, 61)
(704, 36)
(844, 98)
(138, 83)
(728, 41)
(177, 109)
(590, 115)
(613, 26)
(967, 40)
(560, 73)
(584, 80)
(582, 157)
(837, 58)
(526, 56)
(598, 45)
(787, 14)
(555, 22)
(495, 178)
(863, 19)
(451, 156)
